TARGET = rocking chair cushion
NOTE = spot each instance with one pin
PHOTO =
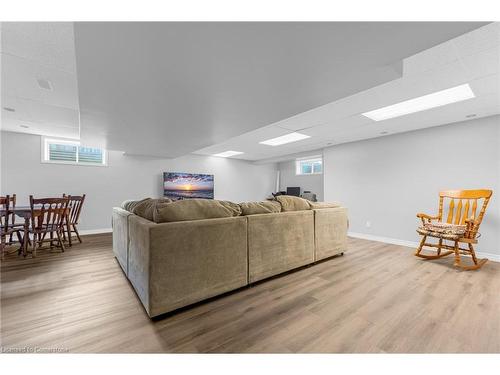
(442, 230)
(446, 228)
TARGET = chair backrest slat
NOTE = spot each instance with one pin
(458, 212)
(75, 207)
(450, 211)
(440, 213)
(466, 212)
(474, 209)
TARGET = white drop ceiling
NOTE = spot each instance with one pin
(169, 89)
(472, 58)
(32, 51)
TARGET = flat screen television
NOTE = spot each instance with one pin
(293, 191)
(188, 185)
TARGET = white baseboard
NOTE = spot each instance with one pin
(490, 256)
(413, 244)
(393, 241)
(364, 236)
(95, 231)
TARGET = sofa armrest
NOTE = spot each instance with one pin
(330, 232)
(139, 257)
(175, 264)
(121, 236)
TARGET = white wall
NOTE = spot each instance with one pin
(388, 180)
(288, 177)
(126, 177)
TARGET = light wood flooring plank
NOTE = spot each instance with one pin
(376, 298)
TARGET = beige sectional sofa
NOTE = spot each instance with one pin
(177, 263)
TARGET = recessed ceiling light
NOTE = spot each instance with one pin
(9, 109)
(422, 103)
(288, 138)
(44, 84)
(227, 154)
(24, 126)
(471, 115)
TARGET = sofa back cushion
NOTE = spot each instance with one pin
(264, 207)
(129, 204)
(145, 208)
(195, 209)
(320, 205)
(291, 203)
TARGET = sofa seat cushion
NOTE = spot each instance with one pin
(320, 205)
(264, 207)
(195, 209)
(146, 207)
(291, 203)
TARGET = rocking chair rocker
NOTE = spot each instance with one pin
(459, 227)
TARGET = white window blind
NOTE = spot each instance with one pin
(309, 166)
(71, 152)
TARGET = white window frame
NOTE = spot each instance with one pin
(309, 159)
(45, 141)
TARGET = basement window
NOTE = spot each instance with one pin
(62, 151)
(309, 166)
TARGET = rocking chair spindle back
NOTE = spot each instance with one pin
(462, 217)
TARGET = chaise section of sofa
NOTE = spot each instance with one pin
(120, 236)
(330, 232)
(175, 264)
(279, 242)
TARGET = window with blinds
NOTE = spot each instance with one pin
(71, 152)
(309, 166)
(90, 155)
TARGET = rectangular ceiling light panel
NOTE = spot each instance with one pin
(288, 138)
(227, 154)
(422, 103)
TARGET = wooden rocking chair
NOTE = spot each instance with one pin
(460, 227)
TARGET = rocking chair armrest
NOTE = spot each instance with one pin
(471, 227)
(471, 221)
(425, 217)
(428, 217)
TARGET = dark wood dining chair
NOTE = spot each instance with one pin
(75, 208)
(12, 219)
(8, 227)
(48, 217)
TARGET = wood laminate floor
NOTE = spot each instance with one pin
(375, 298)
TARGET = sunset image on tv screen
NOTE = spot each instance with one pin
(188, 185)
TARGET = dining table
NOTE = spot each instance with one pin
(25, 213)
